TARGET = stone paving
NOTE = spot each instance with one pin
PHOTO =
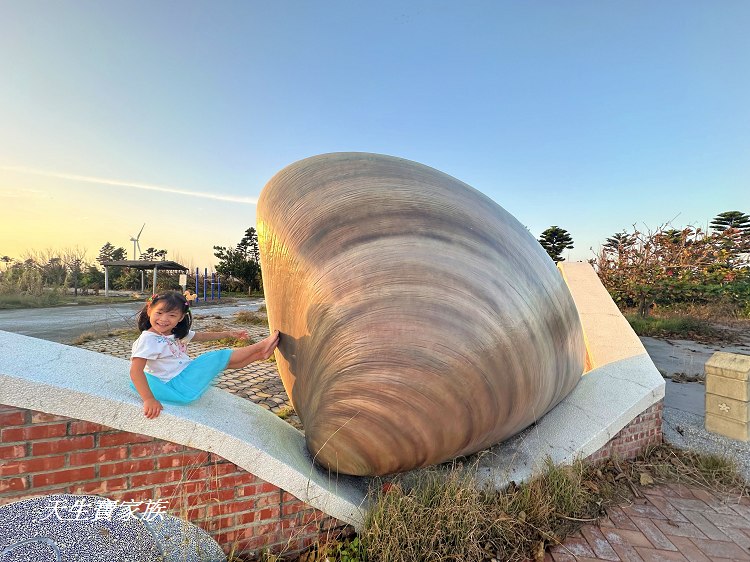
(672, 522)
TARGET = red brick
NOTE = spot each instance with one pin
(248, 491)
(78, 427)
(154, 449)
(705, 526)
(72, 475)
(125, 467)
(134, 495)
(160, 477)
(226, 537)
(627, 553)
(689, 550)
(28, 433)
(218, 523)
(122, 438)
(267, 500)
(247, 517)
(292, 508)
(598, 543)
(653, 534)
(678, 529)
(194, 513)
(721, 549)
(184, 459)
(97, 456)
(212, 471)
(13, 417)
(643, 509)
(13, 452)
(212, 496)
(43, 417)
(62, 445)
(234, 480)
(618, 517)
(101, 487)
(269, 513)
(13, 484)
(180, 489)
(41, 464)
(267, 487)
(681, 491)
(6, 408)
(662, 504)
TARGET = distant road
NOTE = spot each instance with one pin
(64, 324)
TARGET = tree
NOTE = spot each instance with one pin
(152, 254)
(73, 259)
(241, 263)
(6, 260)
(666, 266)
(735, 226)
(110, 253)
(731, 219)
(554, 240)
(249, 245)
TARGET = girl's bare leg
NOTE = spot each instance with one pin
(243, 356)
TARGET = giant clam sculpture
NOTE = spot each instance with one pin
(420, 321)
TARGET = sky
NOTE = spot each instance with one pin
(589, 115)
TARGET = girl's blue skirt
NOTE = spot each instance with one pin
(193, 380)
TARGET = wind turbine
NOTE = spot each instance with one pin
(136, 243)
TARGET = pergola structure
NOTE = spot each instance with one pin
(142, 265)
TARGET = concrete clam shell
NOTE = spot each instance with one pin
(420, 321)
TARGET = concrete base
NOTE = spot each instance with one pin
(728, 427)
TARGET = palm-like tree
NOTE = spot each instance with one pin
(554, 240)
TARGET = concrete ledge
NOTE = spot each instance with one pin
(68, 381)
(584, 422)
(622, 384)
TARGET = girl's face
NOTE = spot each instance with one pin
(162, 320)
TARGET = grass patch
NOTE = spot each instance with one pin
(285, 412)
(683, 327)
(441, 515)
(251, 317)
(9, 301)
(235, 342)
(445, 516)
(85, 337)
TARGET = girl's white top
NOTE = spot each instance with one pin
(166, 356)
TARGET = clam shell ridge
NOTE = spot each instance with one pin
(420, 321)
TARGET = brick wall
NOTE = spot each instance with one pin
(44, 454)
(644, 431)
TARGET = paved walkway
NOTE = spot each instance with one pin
(672, 522)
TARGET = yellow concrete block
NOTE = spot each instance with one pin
(730, 365)
(728, 428)
(731, 388)
(736, 410)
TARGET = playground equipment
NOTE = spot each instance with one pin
(214, 284)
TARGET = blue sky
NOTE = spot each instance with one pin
(589, 115)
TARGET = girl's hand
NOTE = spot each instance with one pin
(152, 408)
(239, 334)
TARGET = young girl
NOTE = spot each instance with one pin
(160, 367)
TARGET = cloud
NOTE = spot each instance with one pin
(135, 185)
(22, 193)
